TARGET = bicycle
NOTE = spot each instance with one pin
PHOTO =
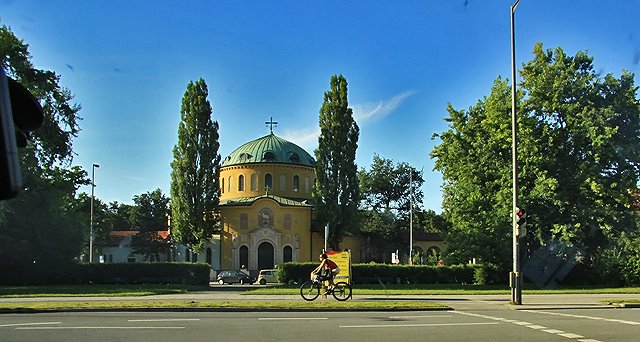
(310, 289)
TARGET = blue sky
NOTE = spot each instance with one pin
(128, 64)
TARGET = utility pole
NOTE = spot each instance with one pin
(93, 185)
(410, 217)
(515, 279)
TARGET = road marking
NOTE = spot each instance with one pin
(95, 328)
(289, 318)
(595, 318)
(530, 325)
(164, 320)
(570, 335)
(430, 316)
(414, 325)
(535, 326)
(23, 324)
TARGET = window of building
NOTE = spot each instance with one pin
(268, 156)
(222, 188)
(241, 183)
(254, 182)
(296, 183)
(244, 221)
(268, 182)
(283, 183)
(294, 158)
(287, 254)
(230, 182)
(131, 259)
(306, 185)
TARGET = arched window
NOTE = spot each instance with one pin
(254, 182)
(209, 256)
(230, 182)
(296, 183)
(268, 156)
(268, 182)
(283, 183)
(306, 185)
(294, 158)
(287, 254)
(241, 183)
(222, 188)
(244, 256)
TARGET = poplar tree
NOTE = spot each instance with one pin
(336, 192)
(195, 193)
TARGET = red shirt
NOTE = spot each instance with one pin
(330, 265)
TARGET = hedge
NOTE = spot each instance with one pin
(405, 274)
(129, 273)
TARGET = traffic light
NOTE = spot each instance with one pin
(521, 221)
(20, 113)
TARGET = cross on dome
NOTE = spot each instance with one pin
(271, 123)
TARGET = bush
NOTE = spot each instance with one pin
(130, 273)
(384, 273)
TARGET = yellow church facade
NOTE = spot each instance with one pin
(266, 205)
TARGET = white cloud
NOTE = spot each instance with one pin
(308, 138)
(371, 111)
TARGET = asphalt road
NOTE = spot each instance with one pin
(587, 325)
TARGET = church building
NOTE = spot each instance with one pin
(266, 205)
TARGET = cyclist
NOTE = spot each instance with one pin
(329, 270)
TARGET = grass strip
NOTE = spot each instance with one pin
(445, 290)
(213, 305)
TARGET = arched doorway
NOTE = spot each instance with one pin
(244, 257)
(265, 256)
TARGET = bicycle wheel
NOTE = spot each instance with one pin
(342, 291)
(310, 290)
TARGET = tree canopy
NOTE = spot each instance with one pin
(336, 191)
(41, 227)
(195, 190)
(578, 158)
(386, 191)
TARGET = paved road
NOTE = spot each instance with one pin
(496, 324)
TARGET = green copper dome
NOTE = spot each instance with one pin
(269, 149)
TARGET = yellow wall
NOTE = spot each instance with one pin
(231, 175)
(297, 236)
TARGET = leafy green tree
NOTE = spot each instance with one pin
(336, 190)
(195, 190)
(148, 216)
(40, 227)
(578, 160)
(385, 203)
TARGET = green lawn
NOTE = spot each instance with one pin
(445, 289)
(320, 304)
(360, 289)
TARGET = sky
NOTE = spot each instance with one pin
(128, 64)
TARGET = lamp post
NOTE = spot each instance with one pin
(516, 276)
(93, 185)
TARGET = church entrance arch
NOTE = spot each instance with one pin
(265, 256)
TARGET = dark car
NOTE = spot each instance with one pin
(233, 276)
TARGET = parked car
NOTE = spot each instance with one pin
(267, 276)
(234, 276)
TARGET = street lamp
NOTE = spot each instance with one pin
(515, 276)
(93, 185)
